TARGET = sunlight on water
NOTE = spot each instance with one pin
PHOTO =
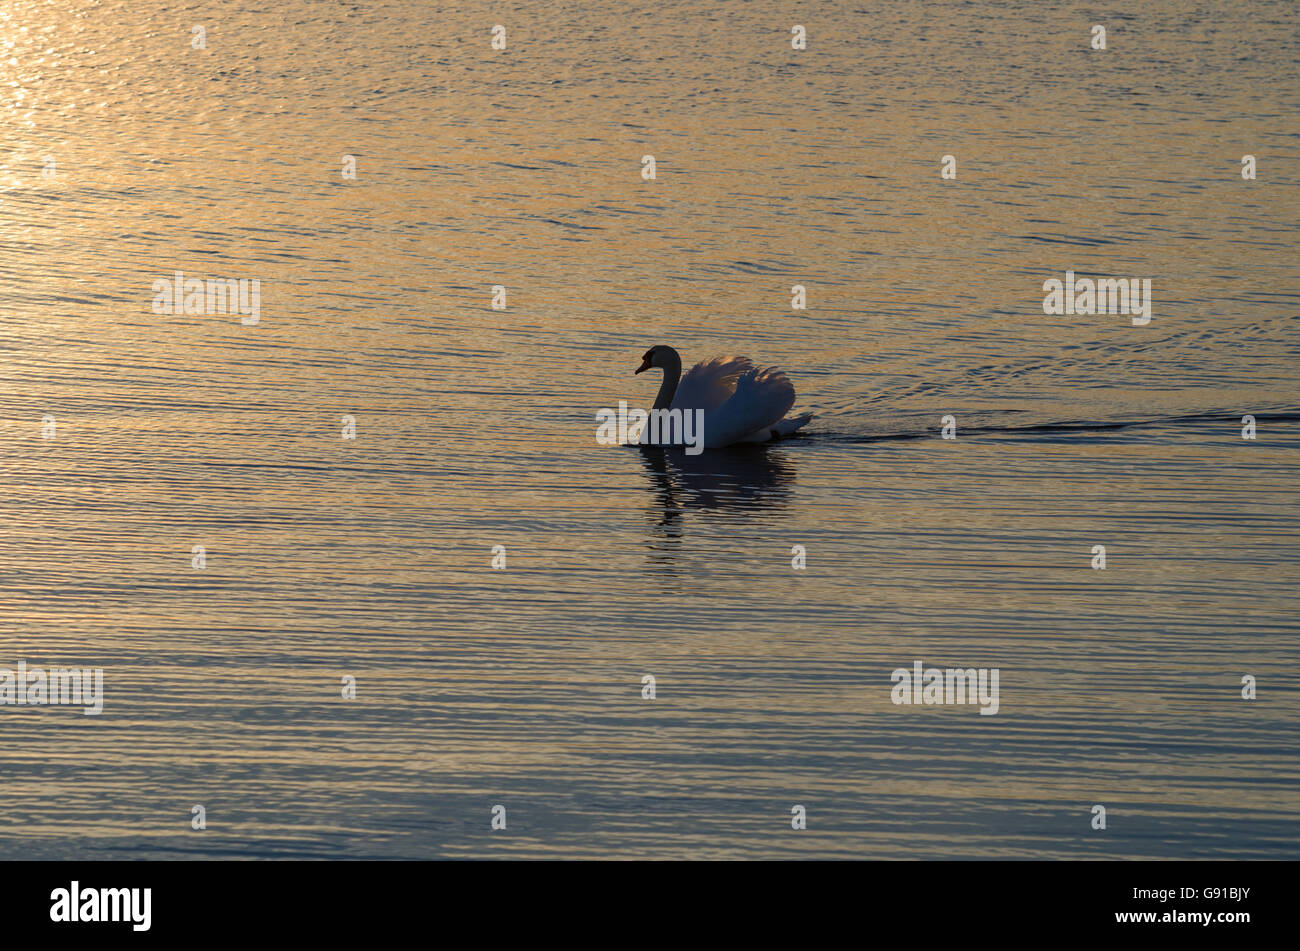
(372, 557)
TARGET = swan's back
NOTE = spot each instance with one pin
(738, 398)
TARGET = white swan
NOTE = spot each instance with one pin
(741, 402)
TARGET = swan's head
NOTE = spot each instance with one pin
(661, 357)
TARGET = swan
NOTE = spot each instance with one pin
(740, 402)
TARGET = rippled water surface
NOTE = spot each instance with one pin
(372, 557)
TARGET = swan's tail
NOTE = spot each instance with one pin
(788, 426)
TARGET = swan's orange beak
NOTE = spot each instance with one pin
(645, 365)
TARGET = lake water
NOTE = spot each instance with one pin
(372, 557)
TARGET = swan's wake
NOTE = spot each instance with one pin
(1068, 426)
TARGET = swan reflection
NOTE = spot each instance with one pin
(749, 477)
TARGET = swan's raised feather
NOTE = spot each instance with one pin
(710, 383)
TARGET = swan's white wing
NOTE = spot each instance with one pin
(761, 400)
(710, 383)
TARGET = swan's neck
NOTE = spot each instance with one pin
(672, 374)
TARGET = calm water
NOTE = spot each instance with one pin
(475, 427)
